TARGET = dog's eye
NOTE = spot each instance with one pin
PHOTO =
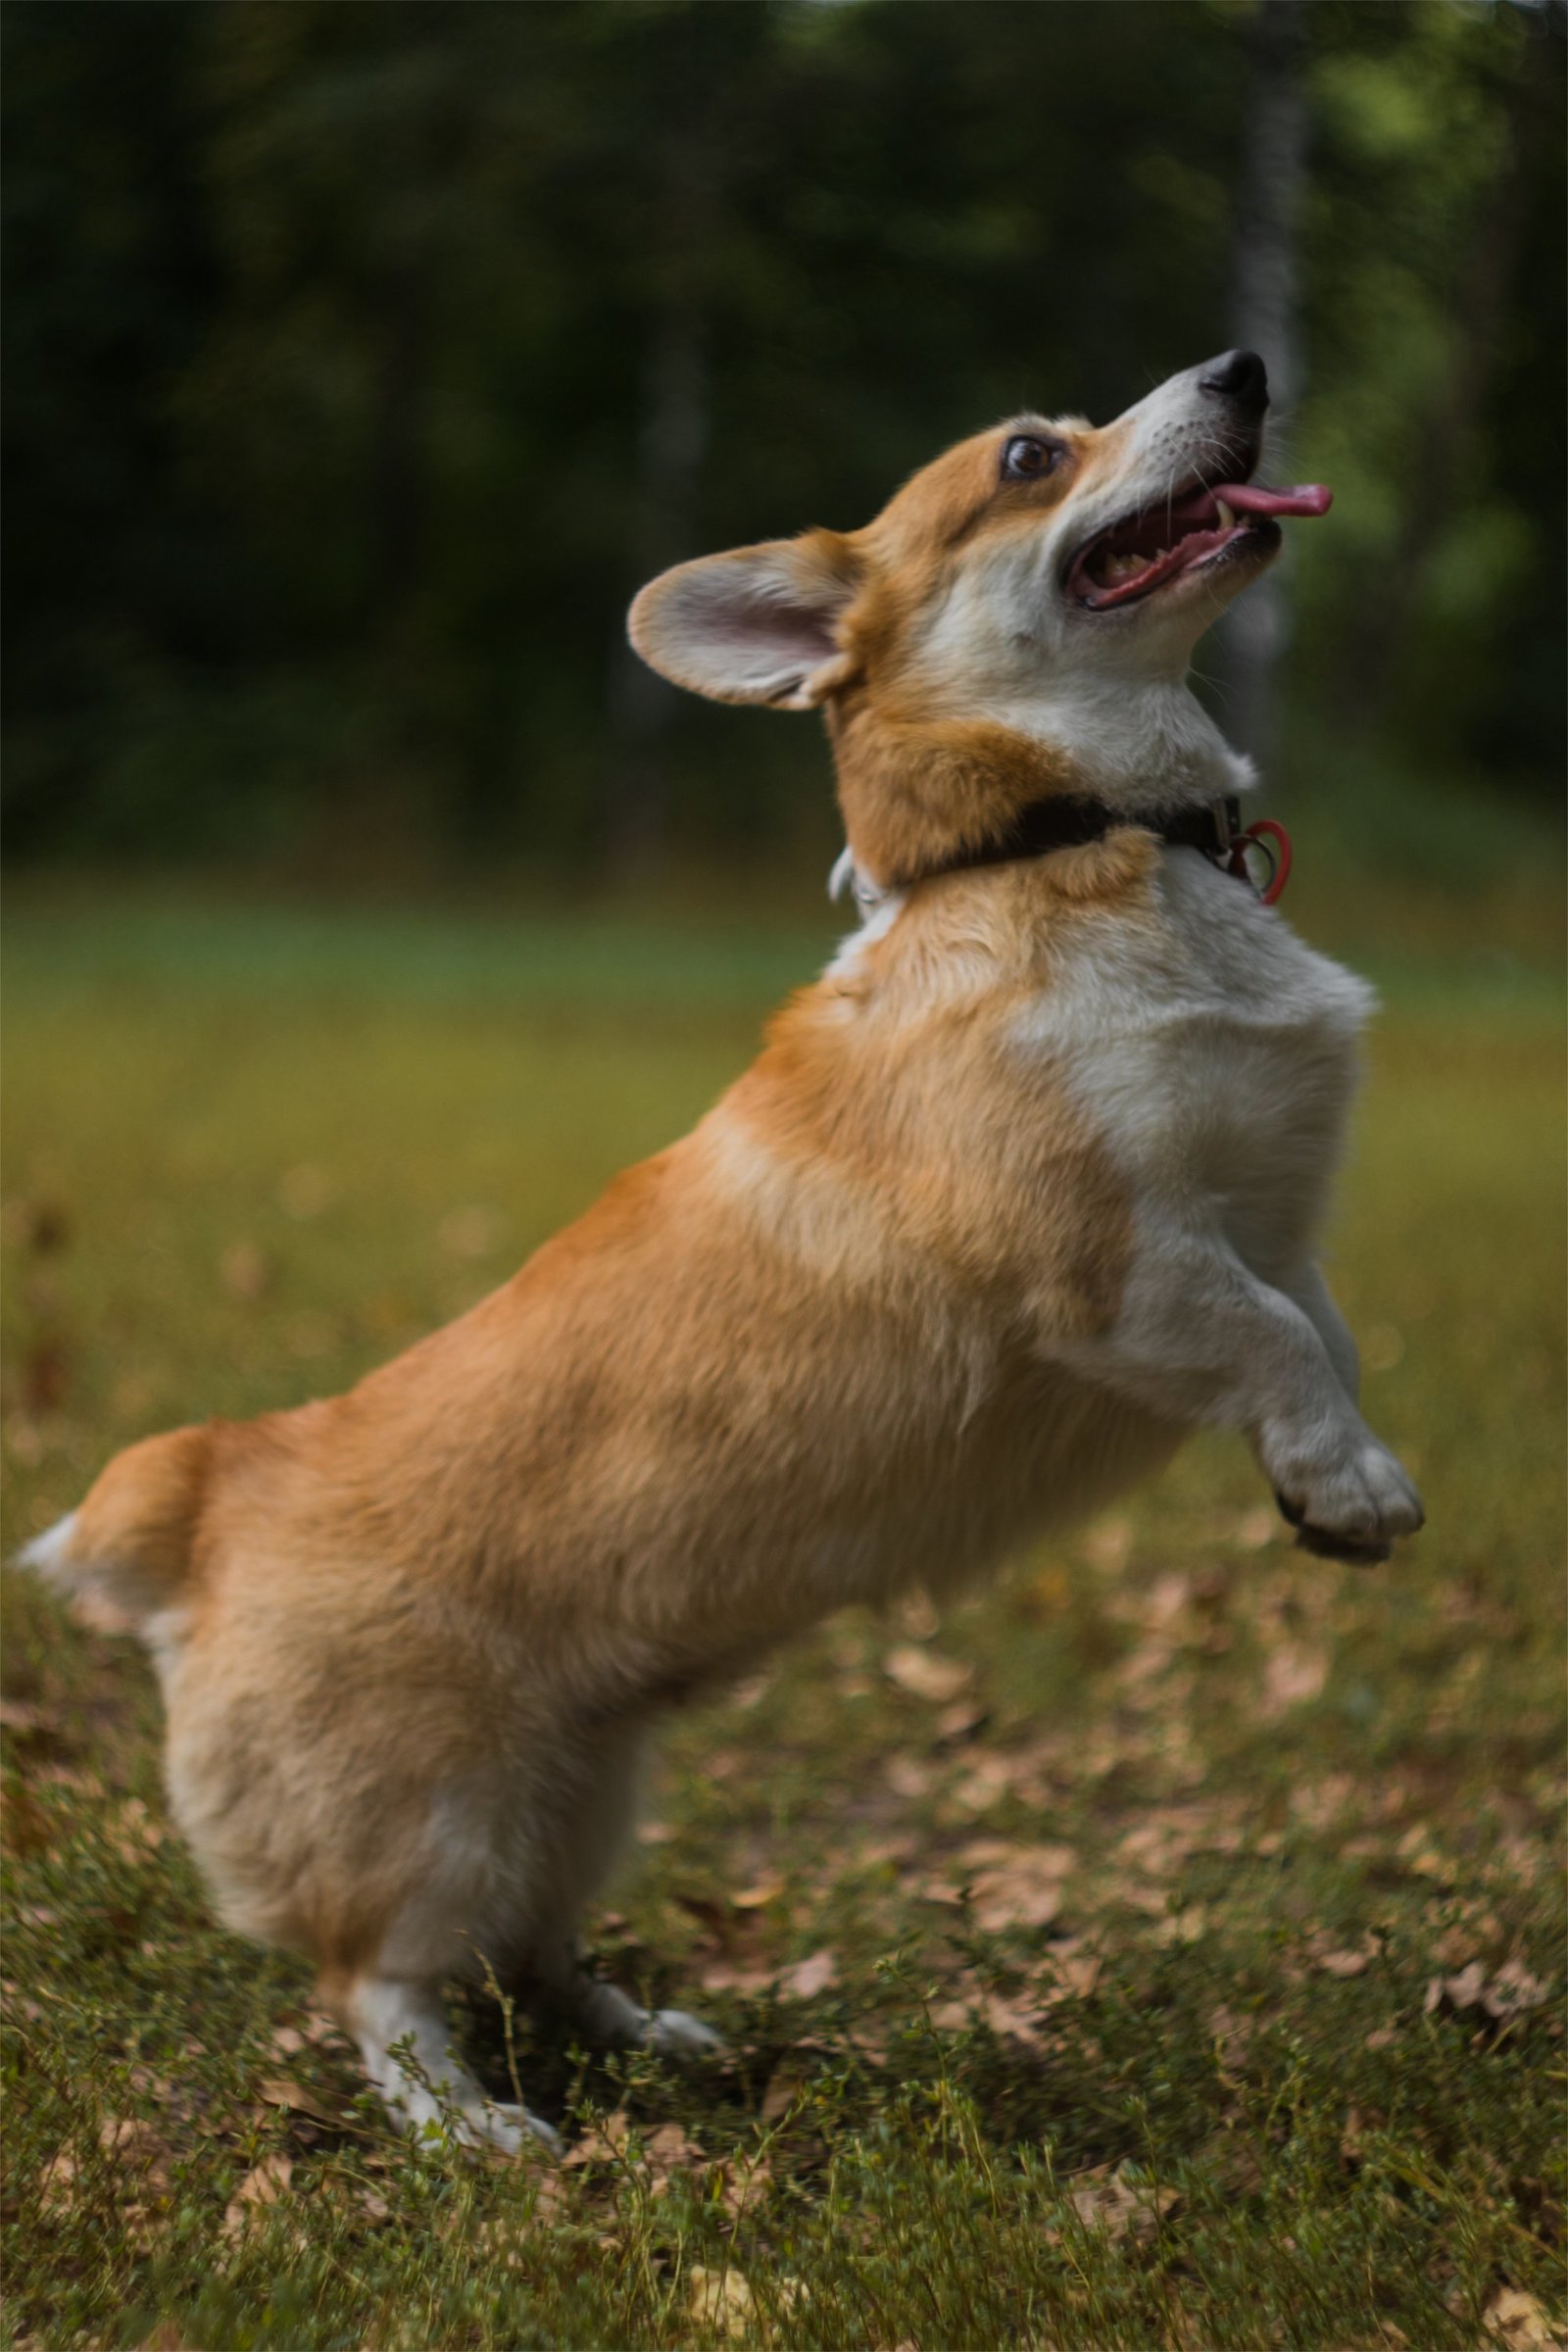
(1026, 458)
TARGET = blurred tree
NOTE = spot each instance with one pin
(1265, 298)
(362, 361)
(1438, 349)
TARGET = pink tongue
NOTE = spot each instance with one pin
(1308, 498)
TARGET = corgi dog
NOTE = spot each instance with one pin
(1025, 1189)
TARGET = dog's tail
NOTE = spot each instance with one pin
(132, 1540)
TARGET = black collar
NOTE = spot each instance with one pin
(1068, 822)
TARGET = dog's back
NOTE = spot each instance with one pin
(1024, 1188)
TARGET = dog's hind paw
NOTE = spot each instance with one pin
(505, 2126)
(675, 2033)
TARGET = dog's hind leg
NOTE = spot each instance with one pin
(605, 1783)
(410, 2059)
(611, 2017)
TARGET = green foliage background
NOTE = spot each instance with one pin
(335, 350)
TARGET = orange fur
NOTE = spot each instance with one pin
(628, 1471)
(840, 1339)
(141, 1515)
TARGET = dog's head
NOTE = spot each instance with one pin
(1028, 580)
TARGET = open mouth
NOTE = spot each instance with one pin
(1195, 527)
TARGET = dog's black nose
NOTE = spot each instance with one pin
(1237, 375)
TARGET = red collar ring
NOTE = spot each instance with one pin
(1275, 842)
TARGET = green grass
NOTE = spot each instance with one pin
(1196, 1953)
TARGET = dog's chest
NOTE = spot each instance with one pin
(1213, 1051)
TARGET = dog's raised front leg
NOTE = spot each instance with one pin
(1201, 1338)
(1313, 1296)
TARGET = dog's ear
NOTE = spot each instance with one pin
(756, 625)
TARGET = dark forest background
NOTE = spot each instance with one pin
(363, 361)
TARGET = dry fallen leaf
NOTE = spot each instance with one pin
(807, 1978)
(262, 2185)
(1359, 2123)
(741, 2183)
(784, 2086)
(727, 1975)
(57, 2183)
(1518, 2320)
(1104, 2199)
(758, 1897)
(137, 2147)
(720, 2299)
(1010, 1885)
(1075, 1967)
(27, 1721)
(601, 2143)
(1010, 2021)
(133, 1832)
(1292, 1673)
(668, 2150)
(278, 2091)
(146, 2161)
(1346, 1963)
(1462, 1990)
(926, 1675)
(1418, 1853)
(1509, 1993)
(550, 2199)
(1188, 1925)
(1512, 1991)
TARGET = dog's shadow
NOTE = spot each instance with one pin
(516, 2036)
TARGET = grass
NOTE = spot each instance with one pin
(1165, 1950)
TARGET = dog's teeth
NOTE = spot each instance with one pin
(1227, 515)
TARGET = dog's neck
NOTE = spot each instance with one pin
(918, 793)
(1138, 747)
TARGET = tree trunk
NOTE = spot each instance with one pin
(1255, 633)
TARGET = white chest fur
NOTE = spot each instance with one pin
(1215, 1054)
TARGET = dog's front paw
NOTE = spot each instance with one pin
(1353, 1510)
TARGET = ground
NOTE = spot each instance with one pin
(1165, 1950)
